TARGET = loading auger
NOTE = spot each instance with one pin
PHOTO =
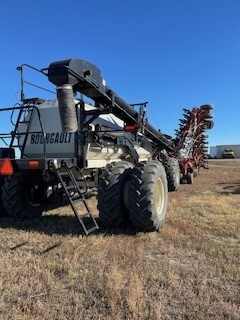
(69, 147)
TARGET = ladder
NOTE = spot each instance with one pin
(74, 194)
(21, 119)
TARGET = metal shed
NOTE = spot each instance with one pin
(217, 151)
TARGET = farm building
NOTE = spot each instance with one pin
(217, 151)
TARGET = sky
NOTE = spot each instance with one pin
(174, 54)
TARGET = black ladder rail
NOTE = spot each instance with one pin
(73, 198)
(22, 113)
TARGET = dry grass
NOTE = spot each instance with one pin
(189, 270)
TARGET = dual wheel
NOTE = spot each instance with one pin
(136, 195)
(126, 195)
(172, 169)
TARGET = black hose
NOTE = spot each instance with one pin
(67, 108)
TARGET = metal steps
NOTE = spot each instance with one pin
(75, 195)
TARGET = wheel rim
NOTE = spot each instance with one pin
(178, 175)
(35, 191)
(159, 196)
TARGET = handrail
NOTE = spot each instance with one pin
(14, 134)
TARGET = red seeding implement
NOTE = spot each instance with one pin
(191, 142)
(59, 151)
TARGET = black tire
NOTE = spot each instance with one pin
(206, 107)
(24, 195)
(111, 185)
(190, 178)
(148, 196)
(208, 124)
(2, 210)
(172, 169)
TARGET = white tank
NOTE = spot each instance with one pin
(61, 144)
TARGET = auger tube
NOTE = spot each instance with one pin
(86, 78)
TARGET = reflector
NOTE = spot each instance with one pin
(6, 168)
(131, 127)
(33, 163)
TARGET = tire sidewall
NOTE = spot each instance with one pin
(17, 195)
(142, 196)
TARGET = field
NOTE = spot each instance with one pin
(188, 270)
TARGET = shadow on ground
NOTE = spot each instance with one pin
(227, 188)
(62, 225)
